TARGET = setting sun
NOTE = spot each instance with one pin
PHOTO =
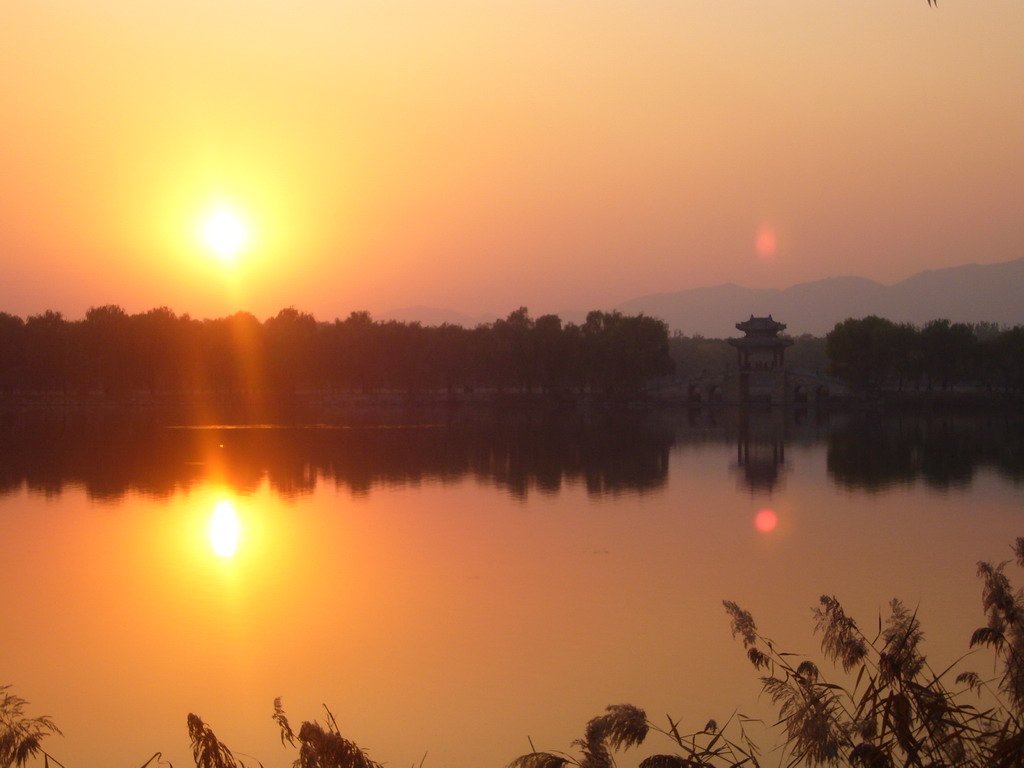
(225, 233)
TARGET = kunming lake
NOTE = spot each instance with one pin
(461, 583)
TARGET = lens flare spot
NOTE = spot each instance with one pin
(224, 529)
(765, 243)
(766, 520)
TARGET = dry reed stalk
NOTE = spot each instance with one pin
(21, 736)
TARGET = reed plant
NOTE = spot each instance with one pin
(21, 736)
(886, 706)
(891, 708)
(623, 726)
(321, 746)
(207, 750)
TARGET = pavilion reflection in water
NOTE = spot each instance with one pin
(761, 450)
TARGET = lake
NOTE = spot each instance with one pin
(459, 583)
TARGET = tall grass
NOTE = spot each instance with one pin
(889, 709)
(21, 736)
(319, 746)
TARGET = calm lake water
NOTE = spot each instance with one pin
(456, 583)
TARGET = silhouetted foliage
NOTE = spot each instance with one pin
(876, 353)
(696, 356)
(157, 353)
(21, 736)
(622, 726)
(892, 709)
(207, 750)
(320, 746)
(808, 353)
(898, 711)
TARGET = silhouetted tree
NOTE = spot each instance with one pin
(122, 355)
(948, 349)
(290, 340)
(864, 351)
(12, 356)
(47, 349)
(621, 353)
(696, 355)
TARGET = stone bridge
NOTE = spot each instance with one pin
(761, 375)
(770, 386)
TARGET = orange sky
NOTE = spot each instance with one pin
(482, 155)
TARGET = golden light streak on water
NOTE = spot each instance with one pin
(225, 530)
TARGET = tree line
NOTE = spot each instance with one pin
(698, 355)
(159, 352)
(876, 353)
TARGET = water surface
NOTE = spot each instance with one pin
(456, 582)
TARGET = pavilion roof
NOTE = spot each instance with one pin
(761, 324)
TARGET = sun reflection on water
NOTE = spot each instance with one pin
(225, 529)
(766, 520)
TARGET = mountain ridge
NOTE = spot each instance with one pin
(964, 293)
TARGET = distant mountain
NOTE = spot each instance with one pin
(969, 293)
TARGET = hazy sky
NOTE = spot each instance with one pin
(479, 155)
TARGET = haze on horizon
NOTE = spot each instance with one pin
(483, 156)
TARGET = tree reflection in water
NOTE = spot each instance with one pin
(943, 450)
(112, 453)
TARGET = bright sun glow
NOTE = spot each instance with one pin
(225, 233)
(224, 529)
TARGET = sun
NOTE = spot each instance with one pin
(225, 233)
